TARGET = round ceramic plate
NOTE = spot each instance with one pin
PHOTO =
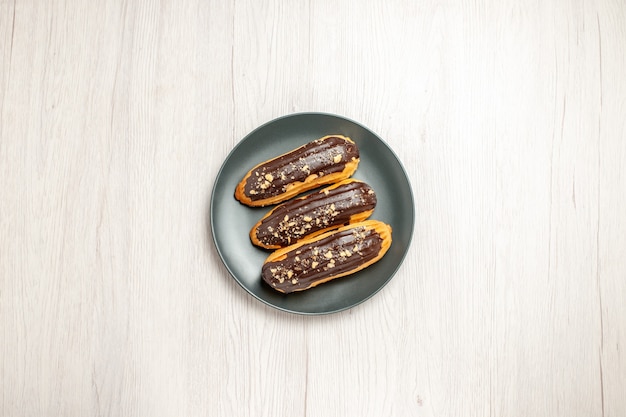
(231, 221)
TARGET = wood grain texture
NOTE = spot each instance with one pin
(115, 118)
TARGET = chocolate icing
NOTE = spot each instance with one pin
(332, 255)
(319, 157)
(327, 208)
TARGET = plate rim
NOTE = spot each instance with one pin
(243, 140)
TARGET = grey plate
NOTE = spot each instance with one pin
(231, 221)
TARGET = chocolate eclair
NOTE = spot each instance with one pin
(330, 255)
(348, 201)
(319, 162)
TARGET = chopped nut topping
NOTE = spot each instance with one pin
(337, 158)
(294, 281)
(269, 177)
(307, 218)
(314, 264)
(328, 255)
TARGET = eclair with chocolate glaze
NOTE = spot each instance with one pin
(348, 201)
(328, 256)
(322, 161)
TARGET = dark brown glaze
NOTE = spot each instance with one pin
(330, 207)
(328, 256)
(319, 157)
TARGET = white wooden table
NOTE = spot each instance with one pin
(508, 116)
